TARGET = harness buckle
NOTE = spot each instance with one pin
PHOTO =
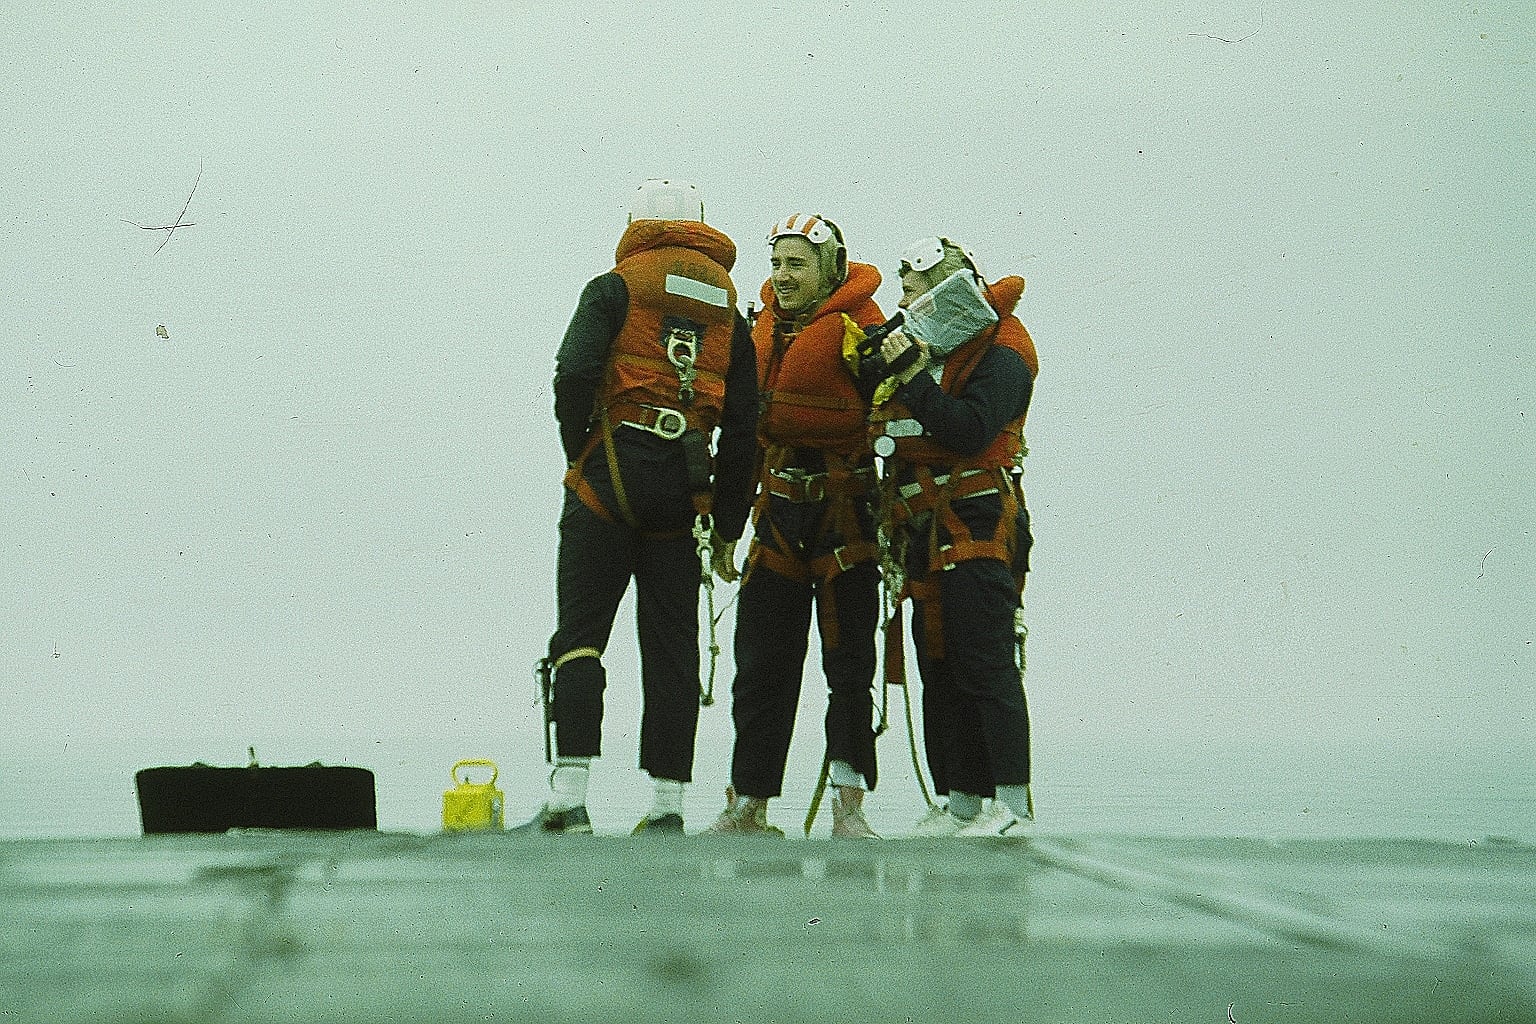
(800, 485)
(669, 424)
(837, 556)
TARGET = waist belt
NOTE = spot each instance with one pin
(917, 497)
(913, 489)
(667, 424)
(800, 487)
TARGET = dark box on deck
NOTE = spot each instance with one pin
(202, 798)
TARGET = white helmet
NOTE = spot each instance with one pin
(666, 199)
(926, 253)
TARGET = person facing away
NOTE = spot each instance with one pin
(963, 367)
(814, 545)
(655, 359)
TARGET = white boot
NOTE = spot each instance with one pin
(848, 821)
(743, 815)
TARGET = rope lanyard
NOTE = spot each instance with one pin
(818, 793)
(893, 556)
(703, 537)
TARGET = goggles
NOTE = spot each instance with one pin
(927, 253)
(813, 228)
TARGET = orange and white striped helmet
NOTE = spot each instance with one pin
(815, 229)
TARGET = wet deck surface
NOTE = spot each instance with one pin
(405, 928)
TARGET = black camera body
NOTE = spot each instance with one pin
(870, 346)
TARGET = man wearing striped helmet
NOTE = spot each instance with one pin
(814, 543)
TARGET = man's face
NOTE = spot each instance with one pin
(797, 281)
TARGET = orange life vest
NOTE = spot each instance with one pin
(809, 400)
(667, 366)
(678, 276)
(1007, 332)
(807, 393)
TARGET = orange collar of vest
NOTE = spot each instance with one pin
(1004, 294)
(688, 234)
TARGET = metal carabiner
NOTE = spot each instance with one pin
(683, 353)
(686, 341)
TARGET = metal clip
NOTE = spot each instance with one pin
(683, 353)
(686, 343)
(669, 426)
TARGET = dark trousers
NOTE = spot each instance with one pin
(773, 619)
(975, 719)
(596, 561)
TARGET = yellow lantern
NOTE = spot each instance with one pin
(473, 806)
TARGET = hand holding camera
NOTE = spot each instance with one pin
(904, 357)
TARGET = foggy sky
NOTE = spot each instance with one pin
(1278, 262)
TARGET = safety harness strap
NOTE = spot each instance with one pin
(815, 401)
(936, 494)
(910, 501)
(653, 419)
(577, 481)
(617, 478)
(838, 487)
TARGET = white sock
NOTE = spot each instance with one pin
(568, 783)
(1017, 800)
(668, 799)
(842, 774)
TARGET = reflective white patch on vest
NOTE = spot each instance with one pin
(688, 288)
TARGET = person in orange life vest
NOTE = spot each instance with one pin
(655, 359)
(814, 543)
(954, 432)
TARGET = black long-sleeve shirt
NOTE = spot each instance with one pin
(583, 358)
(996, 393)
